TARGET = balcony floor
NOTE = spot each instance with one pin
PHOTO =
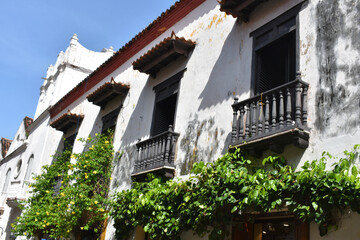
(274, 141)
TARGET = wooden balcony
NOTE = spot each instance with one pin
(156, 155)
(272, 119)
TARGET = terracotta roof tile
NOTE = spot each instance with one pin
(108, 91)
(169, 48)
(5, 145)
(28, 121)
(66, 121)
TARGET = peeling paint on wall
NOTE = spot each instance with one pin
(338, 48)
(197, 132)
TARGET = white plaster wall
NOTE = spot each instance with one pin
(348, 229)
(217, 70)
(19, 139)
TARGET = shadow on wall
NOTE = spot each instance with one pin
(337, 100)
(139, 122)
(96, 127)
(123, 167)
(291, 153)
(59, 149)
(14, 213)
(225, 78)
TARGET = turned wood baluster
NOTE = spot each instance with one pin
(142, 156)
(241, 123)
(298, 104)
(168, 144)
(150, 150)
(234, 123)
(247, 127)
(137, 159)
(273, 113)
(158, 155)
(261, 118)
(304, 106)
(288, 107)
(173, 145)
(148, 160)
(281, 109)
(156, 144)
(253, 120)
(163, 149)
(145, 155)
(267, 114)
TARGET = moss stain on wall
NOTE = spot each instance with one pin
(338, 96)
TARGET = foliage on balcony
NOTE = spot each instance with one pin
(80, 206)
(224, 192)
(156, 155)
(272, 119)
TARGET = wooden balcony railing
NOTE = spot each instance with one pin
(271, 114)
(156, 155)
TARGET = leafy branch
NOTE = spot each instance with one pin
(81, 204)
(217, 193)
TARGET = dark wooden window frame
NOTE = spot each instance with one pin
(270, 33)
(109, 120)
(165, 90)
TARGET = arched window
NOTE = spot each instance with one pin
(7, 179)
(29, 168)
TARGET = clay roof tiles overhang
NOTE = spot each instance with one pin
(165, 21)
(163, 53)
(28, 121)
(107, 92)
(66, 121)
(5, 145)
(239, 8)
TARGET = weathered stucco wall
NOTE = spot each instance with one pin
(338, 56)
(217, 70)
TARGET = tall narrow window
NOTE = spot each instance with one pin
(109, 120)
(68, 146)
(6, 182)
(274, 52)
(165, 104)
(29, 168)
(69, 142)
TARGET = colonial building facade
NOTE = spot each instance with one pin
(269, 76)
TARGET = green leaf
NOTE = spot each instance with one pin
(315, 205)
(354, 171)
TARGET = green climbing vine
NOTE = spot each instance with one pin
(81, 204)
(217, 193)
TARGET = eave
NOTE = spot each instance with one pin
(107, 92)
(66, 121)
(239, 8)
(162, 54)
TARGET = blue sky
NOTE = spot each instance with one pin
(32, 33)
